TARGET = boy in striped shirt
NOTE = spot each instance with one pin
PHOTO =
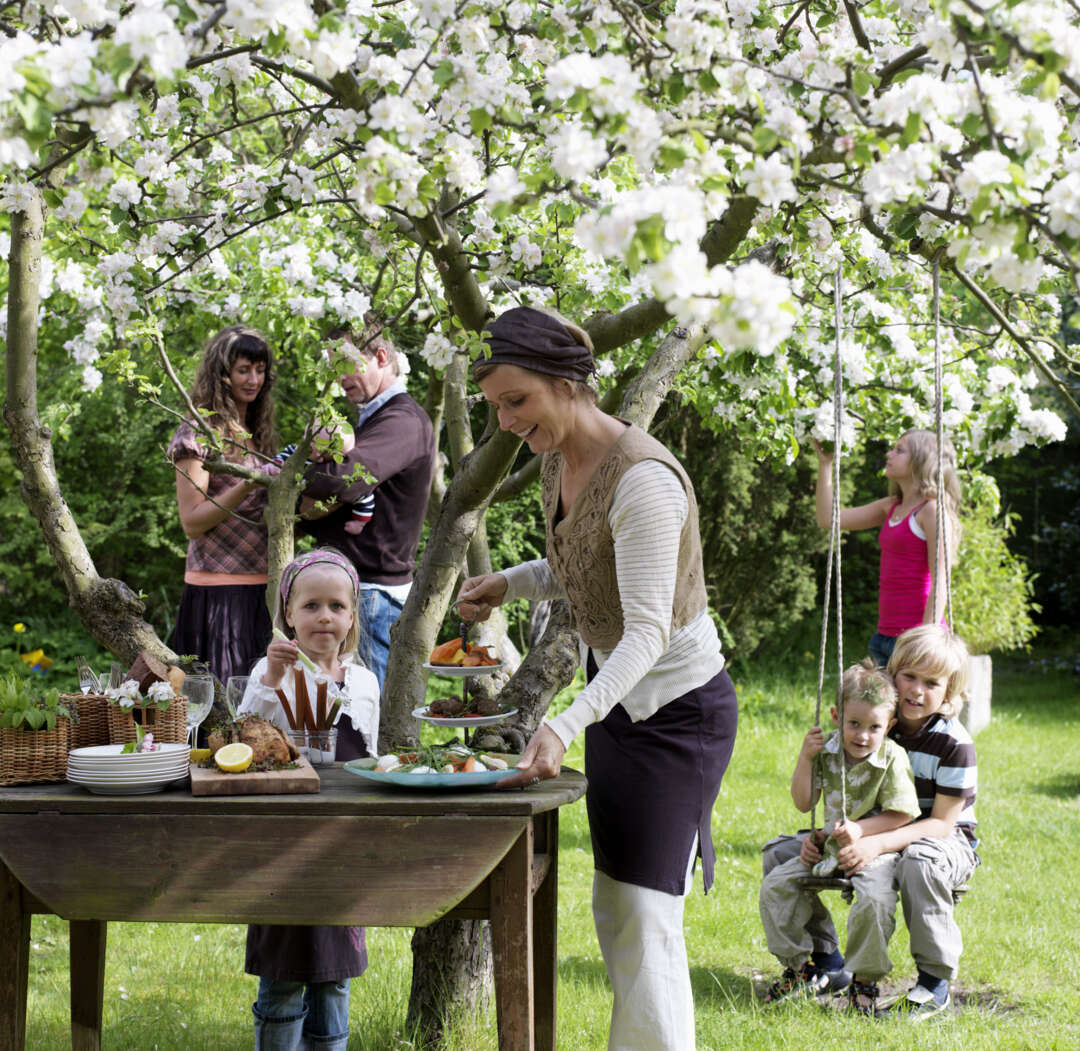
(937, 851)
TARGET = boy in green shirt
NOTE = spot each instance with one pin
(881, 796)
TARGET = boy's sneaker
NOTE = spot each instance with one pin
(921, 1004)
(836, 981)
(805, 982)
(863, 998)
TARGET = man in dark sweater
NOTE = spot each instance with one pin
(394, 458)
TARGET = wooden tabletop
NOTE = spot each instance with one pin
(340, 793)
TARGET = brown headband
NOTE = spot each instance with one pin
(534, 340)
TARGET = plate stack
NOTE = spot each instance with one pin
(105, 770)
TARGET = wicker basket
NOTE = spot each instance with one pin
(168, 726)
(93, 725)
(28, 756)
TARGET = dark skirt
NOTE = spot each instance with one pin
(226, 626)
(653, 783)
(305, 954)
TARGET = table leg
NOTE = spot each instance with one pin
(512, 944)
(14, 962)
(87, 964)
(545, 948)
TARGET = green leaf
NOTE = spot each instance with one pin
(912, 128)
(480, 120)
(444, 74)
(862, 82)
(765, 138)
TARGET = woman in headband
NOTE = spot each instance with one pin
(223, 617)
(658, 711)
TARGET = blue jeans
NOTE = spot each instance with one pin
(377, 614)
(291, 1015)
(881, 647)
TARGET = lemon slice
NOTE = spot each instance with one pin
(234, 758)
(199, 754)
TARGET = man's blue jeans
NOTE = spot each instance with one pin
(377, 613)
(291, 1015)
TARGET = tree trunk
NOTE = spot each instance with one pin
(451, 969)
(110, 610)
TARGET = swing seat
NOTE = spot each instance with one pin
(847, 889)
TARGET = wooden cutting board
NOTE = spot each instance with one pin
(208, 782)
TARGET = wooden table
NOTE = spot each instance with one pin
(356, 853)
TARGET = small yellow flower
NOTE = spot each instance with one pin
(19, 628)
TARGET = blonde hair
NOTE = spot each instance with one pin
(352, 636)
(869, 683)
(923, 452)
(935, 651)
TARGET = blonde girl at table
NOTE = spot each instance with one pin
(304, 972)
(658, 712)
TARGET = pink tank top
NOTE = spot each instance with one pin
(904, 580)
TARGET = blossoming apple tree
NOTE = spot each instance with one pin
(686, 177)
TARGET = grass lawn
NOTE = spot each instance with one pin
(182, 986)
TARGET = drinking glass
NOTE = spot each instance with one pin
(199, 691)
(88, 681)
(234, 690)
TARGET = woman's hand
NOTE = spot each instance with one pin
(542, 759)
(280, 657)
(480, 595)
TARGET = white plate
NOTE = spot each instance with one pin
(82, 778)
(366, 768)
(115, 751)
(462, 720)
(456, 671)
(158, 770)
(141, 788)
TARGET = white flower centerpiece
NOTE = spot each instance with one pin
(160, 711)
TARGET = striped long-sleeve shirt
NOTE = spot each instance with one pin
(651, 665)
(942, 758)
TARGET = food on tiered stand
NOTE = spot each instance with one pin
(452, 653)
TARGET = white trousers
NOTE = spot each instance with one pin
(641, 937)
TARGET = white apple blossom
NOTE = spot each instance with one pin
(152, 37)
(769, 179)
(16, 196)
(91, 378)
(984, 169)
(525, 252)
(124, 191)
(437, 350)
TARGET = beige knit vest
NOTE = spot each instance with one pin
(581, 549)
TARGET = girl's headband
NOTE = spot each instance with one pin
(320, 554)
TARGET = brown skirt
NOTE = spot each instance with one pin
(653, 783)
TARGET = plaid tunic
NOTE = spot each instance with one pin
(232, 546)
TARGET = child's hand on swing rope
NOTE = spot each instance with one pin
(810, 852)
(857, 856)
(813, 742)
(847, 833)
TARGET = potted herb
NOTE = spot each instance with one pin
(35, 732)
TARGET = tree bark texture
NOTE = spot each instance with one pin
(110, 610)
(452, 968)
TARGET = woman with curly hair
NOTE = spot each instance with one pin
(223, 617)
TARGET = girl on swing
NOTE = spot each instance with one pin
(912, 580)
